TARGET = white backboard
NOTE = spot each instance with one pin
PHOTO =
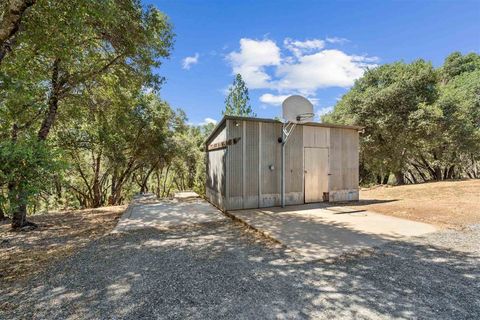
(297, 109)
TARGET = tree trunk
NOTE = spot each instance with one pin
(10, 23)
(165, 181)
(428, 167)
(400, 178)
(451, 172)
(2, 214)
(19, 214)
(58, 186)
(19, 219)
(97, 193)
(413, 176)
(408, 179)
(385, 179)
(51, 113)
(424, 178)
(445, 173)
(438, 173)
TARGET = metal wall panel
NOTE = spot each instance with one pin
(316, 137)
(251, 161)
(235, 165)
(316, 174)
(243, 176)
(216, 180)
(343, 159)
(216, 165)
(270, 165)
(294, 161)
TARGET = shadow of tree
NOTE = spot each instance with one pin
(217, 270)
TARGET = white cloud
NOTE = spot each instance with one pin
(251, 60)
(208, 121)
(189, 61)
(320, 112)
(299, 48)
(327, 68)
(274, 100)
(277, 100)
(299, 67)
(336, 40)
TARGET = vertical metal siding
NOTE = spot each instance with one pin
(235, 165)
(270, 179)
(294, 161)
(251, 159)
(215, 188)
(343, 159)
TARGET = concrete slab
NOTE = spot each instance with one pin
(316, 231)
(148, 212)
(186, 195)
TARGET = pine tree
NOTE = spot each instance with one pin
(237, 102)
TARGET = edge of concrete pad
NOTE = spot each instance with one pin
(344, 256)
(125, 215)
(264, 234)
(256, 230)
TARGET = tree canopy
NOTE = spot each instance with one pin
(82, 123)
(421, 123)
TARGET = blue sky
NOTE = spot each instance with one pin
(313, 48)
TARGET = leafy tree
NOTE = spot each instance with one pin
(62, 52)
(25, 167)
(384, 101)
(456, 64)
(237, 102)
(11, 14)
(420, 123)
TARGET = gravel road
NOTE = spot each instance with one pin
(220, 271)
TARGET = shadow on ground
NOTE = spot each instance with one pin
(217, 271)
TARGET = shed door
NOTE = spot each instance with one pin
(316, 173)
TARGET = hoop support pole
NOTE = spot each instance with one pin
(287, 129)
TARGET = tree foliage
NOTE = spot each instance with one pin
(237, 102)
(81, 120)
(421, 123)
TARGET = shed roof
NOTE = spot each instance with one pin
(311, 124)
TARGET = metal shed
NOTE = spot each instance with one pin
(243, 161)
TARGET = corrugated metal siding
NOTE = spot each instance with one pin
(215, 173)
(235, 159)
(243, 175)
(251, 164)
(216, 166)
(343, 159)
(294, 161)
(316, 137)
(235, 165)
(270, 157)
(216, 179)
(270, 179)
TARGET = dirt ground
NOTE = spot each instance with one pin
(59, 235)
(447, 204)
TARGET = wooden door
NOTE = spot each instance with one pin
(316, 173)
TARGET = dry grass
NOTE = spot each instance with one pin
(23, 254)
(448, 204)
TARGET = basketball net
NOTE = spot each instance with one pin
(289, 126)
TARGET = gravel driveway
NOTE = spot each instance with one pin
(220, 271)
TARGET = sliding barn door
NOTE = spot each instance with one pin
(316, 173)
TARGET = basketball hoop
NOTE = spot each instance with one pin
(305, 117)
(295, 109)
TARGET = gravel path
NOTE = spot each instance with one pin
(220, 271)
